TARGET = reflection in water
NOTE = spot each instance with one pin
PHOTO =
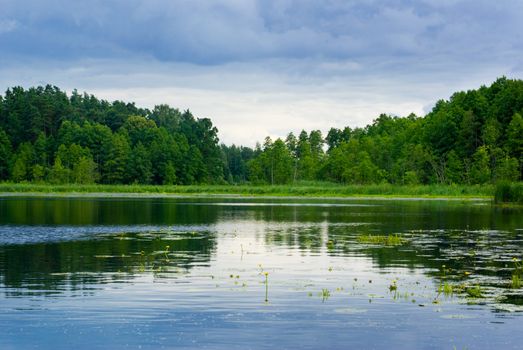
(77, 211)
(48, 267)
(191, 273)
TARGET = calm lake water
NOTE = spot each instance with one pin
(153, 273)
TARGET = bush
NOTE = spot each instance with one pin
(509, 192)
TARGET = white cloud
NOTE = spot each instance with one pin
(248, 101)
(264, 67)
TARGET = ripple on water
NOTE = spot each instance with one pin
(22, 234)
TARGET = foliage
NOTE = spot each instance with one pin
(507, 192)
(389, 240)
(47, 136)
(307, 189)
(475, 137)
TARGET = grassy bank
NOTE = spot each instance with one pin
(509, 193)
(306, 189)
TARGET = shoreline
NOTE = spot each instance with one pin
(202, 195)
(305, 190)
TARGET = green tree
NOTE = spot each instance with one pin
(5, 154)
(38, 173)
(115, 168)
(514, 143)
(480, 171)
(280, 163)
(365, 171)
(84, 171)
(140, 168)
(59, 174)
(140, 130)
(41, 148)
(273, 165)
(454, 168)
(169, 177)
(507, 169)
(23, 164)
(166, 117)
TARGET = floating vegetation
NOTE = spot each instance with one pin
(516, 281)
(446, 289)
(388, 240)
(516, 275)
(393, 286)
(475, 291)
(325, 294)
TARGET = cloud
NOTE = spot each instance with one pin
(259, 67)
(215, 32)
(248, 102)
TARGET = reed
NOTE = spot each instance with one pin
(299, 189)
(509, 192)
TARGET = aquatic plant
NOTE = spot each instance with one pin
(516, 281)
(446, 289)
(325, 294)
(266, 286)
(390, 240)
(516, 275)
(474, 292)
(393, 287)
(167, 248)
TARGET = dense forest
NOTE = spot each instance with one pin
(47, 136)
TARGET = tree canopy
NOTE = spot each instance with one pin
(474, 137)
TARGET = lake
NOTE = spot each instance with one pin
(237, 273)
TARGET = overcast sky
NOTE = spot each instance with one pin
(264, 67)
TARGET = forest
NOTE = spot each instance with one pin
(48, 136)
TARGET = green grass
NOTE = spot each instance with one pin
(509, 192)
(300, 189)
(382, 239)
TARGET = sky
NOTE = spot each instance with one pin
(264, 67)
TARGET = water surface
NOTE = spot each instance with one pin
(231, 273)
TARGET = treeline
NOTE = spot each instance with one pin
(47, 136)
(475, 137)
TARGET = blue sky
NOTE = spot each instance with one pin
(264, 67)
